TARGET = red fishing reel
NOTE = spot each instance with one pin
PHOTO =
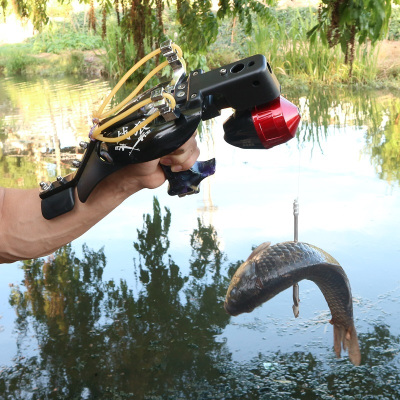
(264, 126)
(277, 122)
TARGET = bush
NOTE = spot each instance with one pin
(19, 63)
(75, 63)
(394, 26)
(283, 40)
(60, 36)
(231, 44)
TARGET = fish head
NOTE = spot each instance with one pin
(243, 289)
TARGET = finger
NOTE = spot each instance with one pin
(191, 143)
(182, 161)
(184, 157)
(185, 161)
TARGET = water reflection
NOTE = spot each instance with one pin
(325, 109)
(80, 336)
(94, 336)
(383, 142)
(301, 375)
(44, 120)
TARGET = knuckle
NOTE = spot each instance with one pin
(178, 151)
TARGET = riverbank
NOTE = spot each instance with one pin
(389, 58)
(387, 71)
(67, 48)
(92, 63)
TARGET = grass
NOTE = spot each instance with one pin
(59, 37)
(20, 60)
(394, 27)
(283, 40)
(119, 51)
(16, 59)
(66, 39)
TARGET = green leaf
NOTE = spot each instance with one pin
(313, 30)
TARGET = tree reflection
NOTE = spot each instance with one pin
(383, 142)
(99, 339)
(206, 252)
(62, 305)
(326, 109)
(81, 337)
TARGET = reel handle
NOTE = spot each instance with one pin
(188, 182)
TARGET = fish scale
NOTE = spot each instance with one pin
(271, 269)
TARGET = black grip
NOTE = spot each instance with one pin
(187, 182)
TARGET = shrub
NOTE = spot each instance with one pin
(394, 26)
(60, 36)
(19, 63)
(283, 40)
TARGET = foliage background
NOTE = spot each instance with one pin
(301, 43)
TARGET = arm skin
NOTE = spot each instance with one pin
(25, 234)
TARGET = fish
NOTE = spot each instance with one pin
(270, 270)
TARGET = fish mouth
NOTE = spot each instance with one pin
(230, 309)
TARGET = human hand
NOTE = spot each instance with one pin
(150, 175)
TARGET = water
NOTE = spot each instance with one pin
(124, 314)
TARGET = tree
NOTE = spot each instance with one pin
(346, 21)
(343, 22)
(143, 20)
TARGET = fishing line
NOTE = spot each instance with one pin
(298, 173)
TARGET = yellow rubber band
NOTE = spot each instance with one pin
(172, 102)
(118, 86)
(112, 121)
(131, 132)
(136, 91)
(97, 133)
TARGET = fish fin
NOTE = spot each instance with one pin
(346, 339)
(353, 346)
(338, 336)
(258, 249)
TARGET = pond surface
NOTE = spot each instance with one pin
(134, 308)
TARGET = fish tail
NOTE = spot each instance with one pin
(346, 338)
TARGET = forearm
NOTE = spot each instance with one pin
(25, 234)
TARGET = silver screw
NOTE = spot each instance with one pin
(181, 94)
(76, 163)
(181, 86)
(193, 95)
(149, 107)
(84, 145)
(195, 73)
(222, 71)
(45, 185)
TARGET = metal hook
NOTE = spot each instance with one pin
(296, 300)
(296, 290)
(296, 220)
